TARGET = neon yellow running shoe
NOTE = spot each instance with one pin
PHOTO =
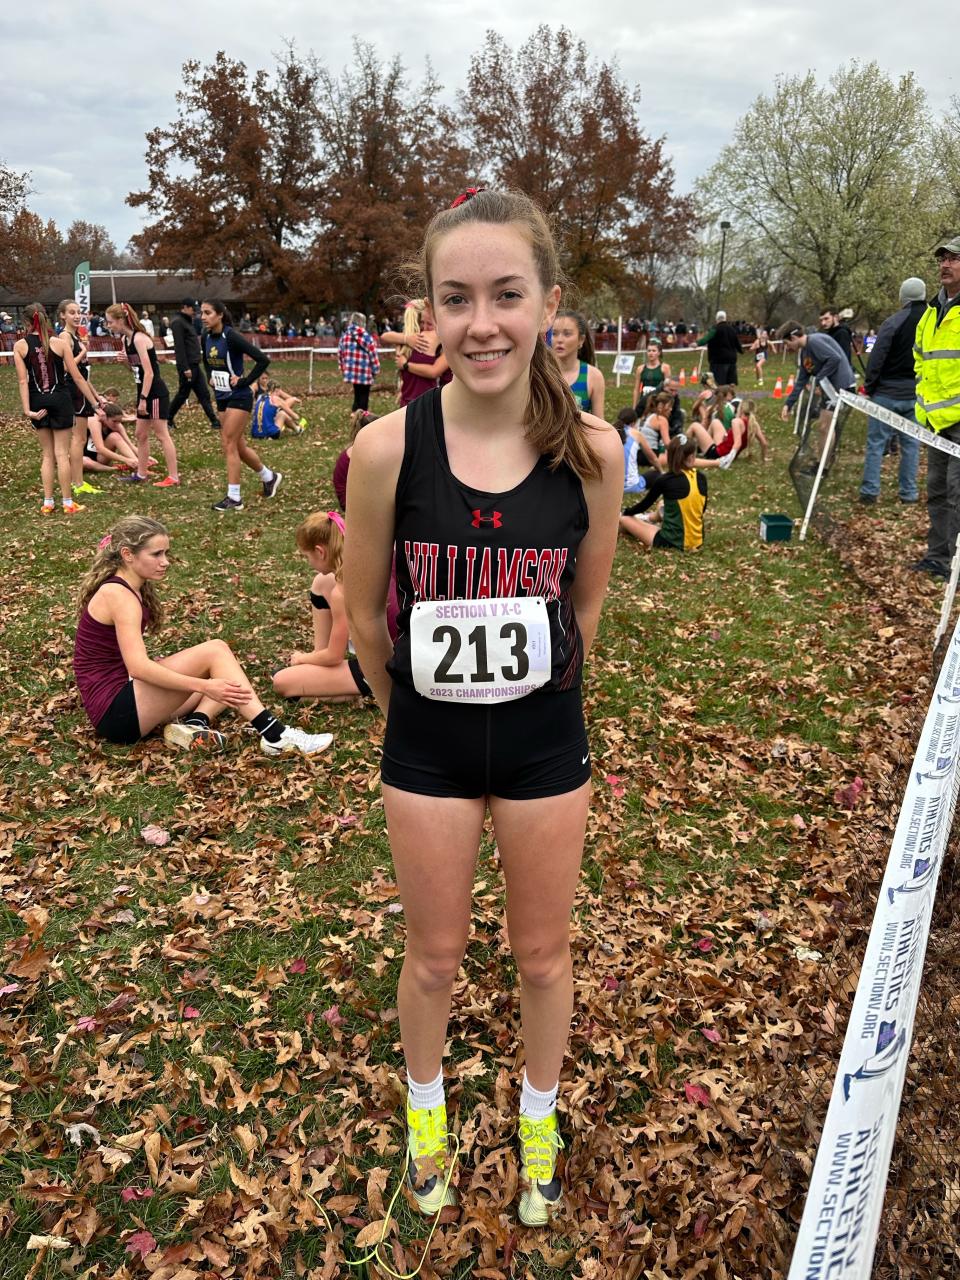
(85, 487)
(427, 1144)
(541, 1192)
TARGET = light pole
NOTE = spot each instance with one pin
(724, 228)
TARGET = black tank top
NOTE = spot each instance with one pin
(136, 364)
(45, 371)
(458, 543)
(79, 399)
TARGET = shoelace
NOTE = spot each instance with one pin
(373, 1255)
(429, 1135)
(539, 1145)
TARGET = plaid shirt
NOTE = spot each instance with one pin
(357, 355)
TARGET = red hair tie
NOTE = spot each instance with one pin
(467, 195)
(337, 519)
(36, 325)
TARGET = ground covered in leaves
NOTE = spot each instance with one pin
(197, 1004)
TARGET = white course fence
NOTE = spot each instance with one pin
(841, 1218)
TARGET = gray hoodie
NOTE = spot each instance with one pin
(823, 360)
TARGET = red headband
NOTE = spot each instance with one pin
(467, 195)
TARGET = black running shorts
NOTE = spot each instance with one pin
(239, 398)
(359, 679)
(59, 409)
(523, 750)
(156, 408)
(120, 723)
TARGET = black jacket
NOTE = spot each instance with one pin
(722, 343)
(843, 338)
(186, 344)
(890, 370)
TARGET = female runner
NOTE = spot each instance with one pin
(503, 501)
(223, 351)
(650, 375)
(153, 399)
(125, 692)
(683, 489)
(44, 360)
(573, 348)
(87, 436)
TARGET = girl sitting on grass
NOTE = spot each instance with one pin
(324, 672)
(274, 411)
(684, 493)
(751, 429)
(125, 692)
(718, 445)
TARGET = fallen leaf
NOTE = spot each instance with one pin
(135, 1193)
(156, 836)
(48, 1242)
(298, 966)
(697, 1093)
(141, 1243)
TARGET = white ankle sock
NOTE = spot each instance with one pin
(534, 1104)
(426, 1096)
(233, 491)
(266, 474)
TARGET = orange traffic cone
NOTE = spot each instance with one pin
(790, 385)
(683, 377)
(778, 390)
(693, 375)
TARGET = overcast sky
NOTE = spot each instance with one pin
(82, 86)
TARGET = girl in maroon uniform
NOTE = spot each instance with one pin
(503, 500)
(125, 692)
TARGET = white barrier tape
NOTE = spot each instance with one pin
(892, 419)
(841, 1217)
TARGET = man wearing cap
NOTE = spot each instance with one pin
(823, 361)
(723, 347)
(936, 354)
(890, 382)
(186, 346)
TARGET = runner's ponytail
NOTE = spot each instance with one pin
(40, 324)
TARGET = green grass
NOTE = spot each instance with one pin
(703, 665)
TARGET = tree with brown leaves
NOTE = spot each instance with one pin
(233, 184)
(566, 130)
(392, 160)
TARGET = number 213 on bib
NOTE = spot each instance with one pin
(482, 651)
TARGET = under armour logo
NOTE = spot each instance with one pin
(495, 518)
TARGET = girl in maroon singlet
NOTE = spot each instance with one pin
(125, 692)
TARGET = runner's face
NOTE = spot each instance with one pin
(116, 325)
(316, 558)
(209, 318)
(489, 305)
(152, 560)
(71, 315)
(566, 337)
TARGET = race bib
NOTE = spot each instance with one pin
(481, 651)
(221, 380)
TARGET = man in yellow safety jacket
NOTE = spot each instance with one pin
(936, 358)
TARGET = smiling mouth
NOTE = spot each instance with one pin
(486, 357)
